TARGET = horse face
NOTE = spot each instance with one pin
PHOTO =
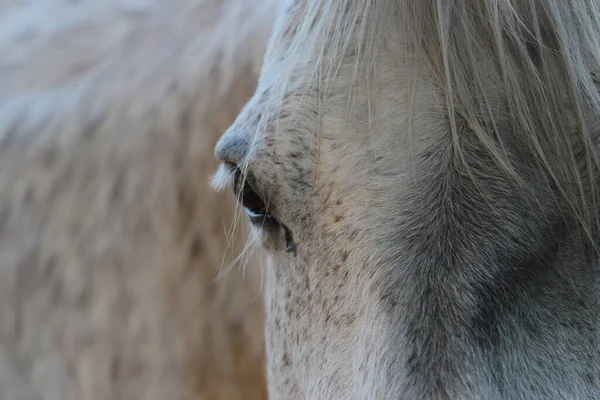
(392, 266)
(330, 168)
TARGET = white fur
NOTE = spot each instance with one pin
(436, 165)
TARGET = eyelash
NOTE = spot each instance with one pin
(256, 208)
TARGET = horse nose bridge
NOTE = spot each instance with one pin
(235, 144)
(232, 148)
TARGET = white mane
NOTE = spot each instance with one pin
(542, 54)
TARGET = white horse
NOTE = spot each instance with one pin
(113, 283)
(423, 175)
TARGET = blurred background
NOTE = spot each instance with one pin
(121, 273)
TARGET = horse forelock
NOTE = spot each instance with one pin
(512, 73)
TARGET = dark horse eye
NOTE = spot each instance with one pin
(256, 208)
(254, 205)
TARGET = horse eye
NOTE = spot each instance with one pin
(254, 205)
(256, 208)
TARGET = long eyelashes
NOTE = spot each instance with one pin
(256, 208)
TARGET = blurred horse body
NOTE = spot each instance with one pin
(111, 242)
